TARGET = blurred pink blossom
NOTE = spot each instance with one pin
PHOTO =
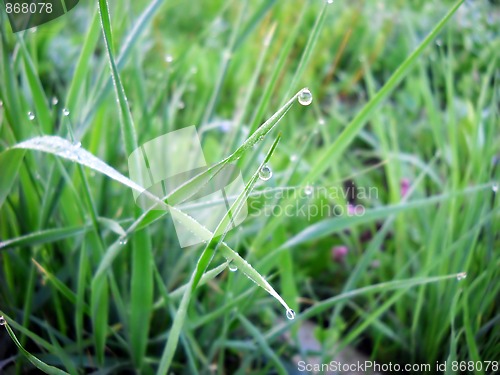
(405, 186)
(339, 253)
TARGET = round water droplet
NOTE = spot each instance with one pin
(265, 173)
(494, 187)
(169, 58)
(321, 121)
(305, 97)
(461, 276)
(233, 267)
(308, 190)
(2, 321)
(1, 104)
(329, 1)
(31, 116)
(123, 241)
(77, 144)
(65, 112)
(290, 314)
(293, 157)
(54, 101)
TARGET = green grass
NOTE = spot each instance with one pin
(403, 94)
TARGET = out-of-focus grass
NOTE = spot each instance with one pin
(78, 296)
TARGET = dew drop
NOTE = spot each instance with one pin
(293, 158)
(461, 276)
(494, 187)
(321, 121)
(329, 1)
(123, 241)
(308, 190)
(265, 173)
(233, 267)
(1, 104)
(169, 58)
(305, 97)
(290, 314)
(54, 100)
(31, 116)
(77, 144)
(65, 112)
(3, 322)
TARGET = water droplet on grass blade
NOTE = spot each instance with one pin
(494, 187)
(31, 116)
(308, 190)
(265, 173)
(3, 322)
(233, 267)
(77, 144)
(123, 241)
(65, 112)
(329, 1)
(290, 314)
(54, 101)
(169, 58)
(461, 275)
(305, 97)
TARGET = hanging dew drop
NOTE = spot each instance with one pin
(305, 97)
(265, 173)
(233, 267)
(65, 112)
(494, 187)
(308, 190)
(31, 116)
(3, 322)
(290, 314)
(461, 276)
(54, 100)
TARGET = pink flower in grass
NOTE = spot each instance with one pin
(339, 253)
(405, 186)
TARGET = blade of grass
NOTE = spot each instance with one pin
(34, 360)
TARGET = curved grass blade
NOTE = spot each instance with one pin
(34, 360)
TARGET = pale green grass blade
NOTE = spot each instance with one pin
(35, 361)
(9, 165)
(381, 287)
(328, 226)
(127, 124)
(44, 236)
